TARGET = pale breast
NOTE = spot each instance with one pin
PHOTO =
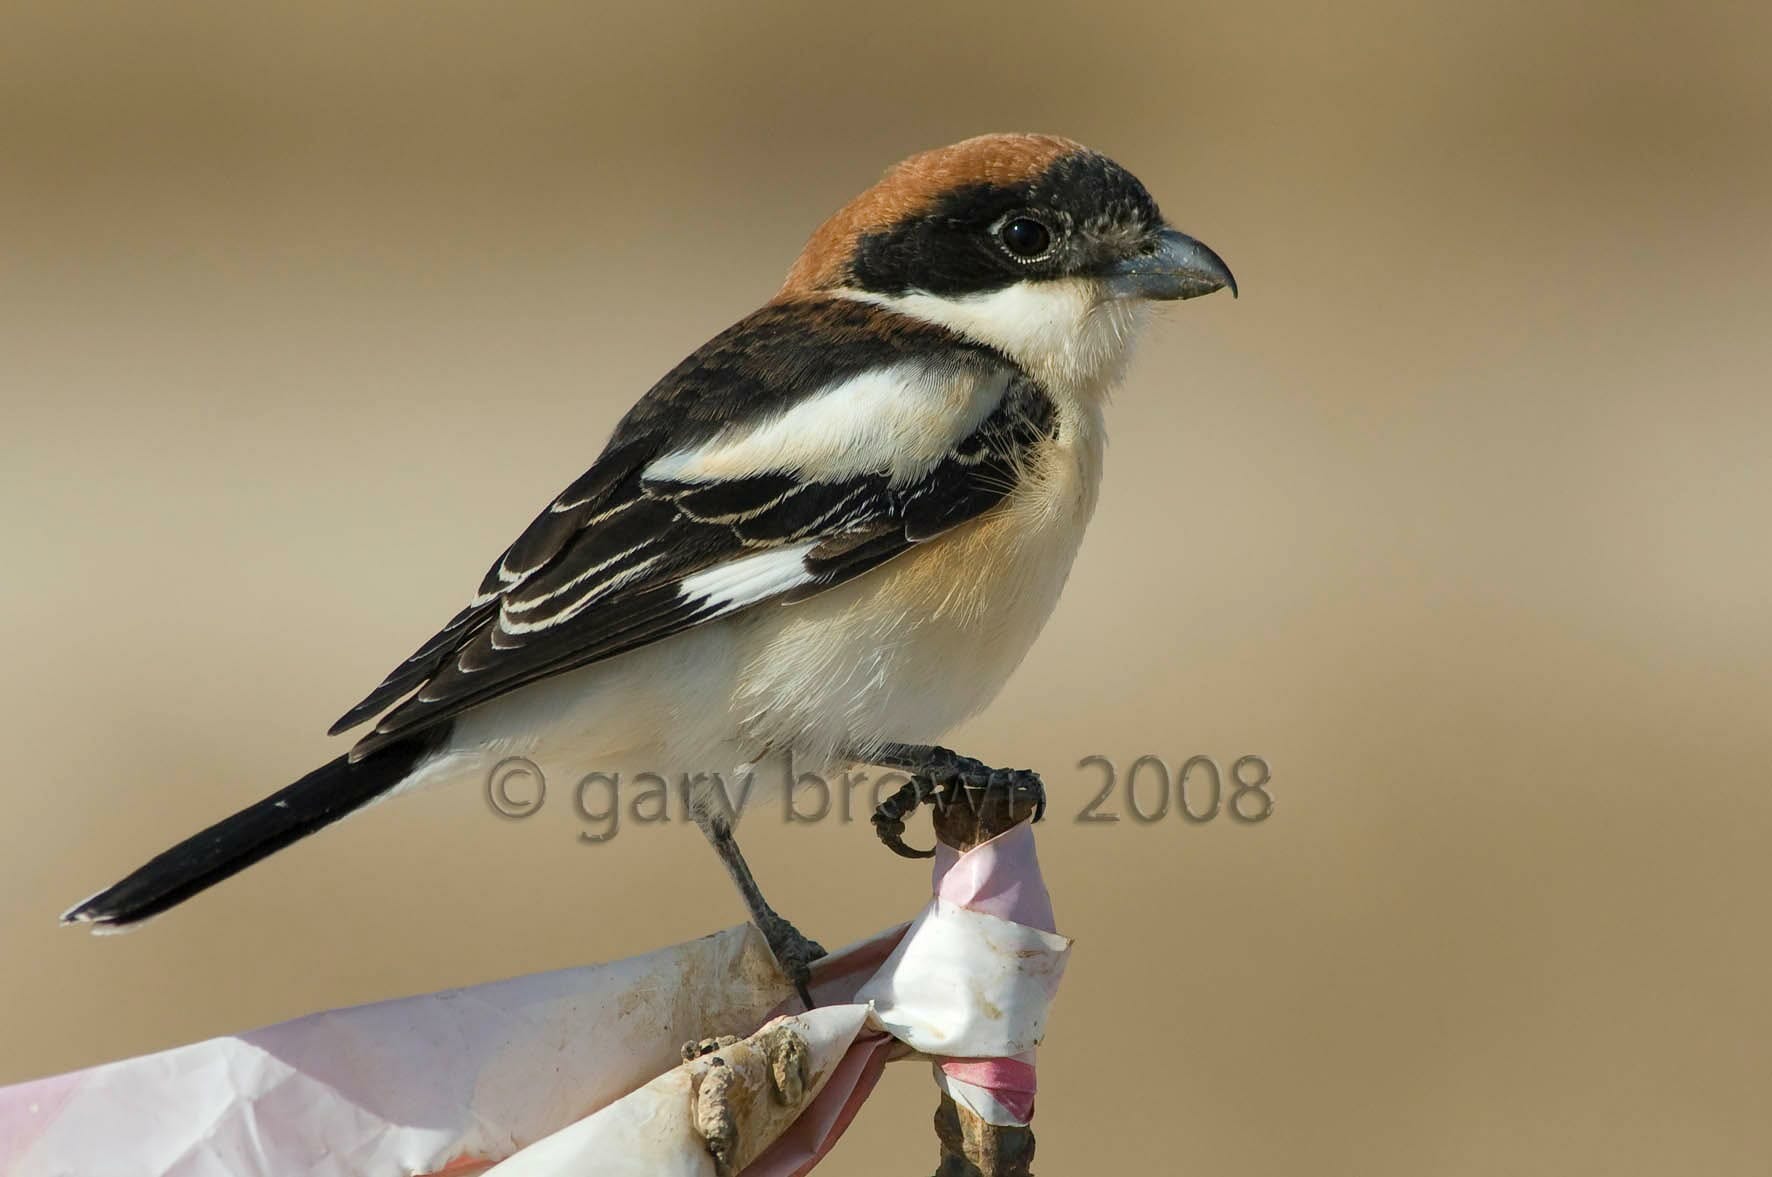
(909, 650)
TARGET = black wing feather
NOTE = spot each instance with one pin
(599, 572)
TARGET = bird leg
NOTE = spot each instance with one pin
(946, 777)
(790, 947)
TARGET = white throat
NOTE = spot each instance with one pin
(1070, 334)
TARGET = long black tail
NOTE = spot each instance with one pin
(235, 843)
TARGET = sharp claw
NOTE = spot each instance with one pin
(889, 817)
(891, 832)
(899, 847)
(945, 778)
(793, 953)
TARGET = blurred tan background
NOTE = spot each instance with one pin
(1458, 518)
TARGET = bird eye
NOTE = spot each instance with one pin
(1025, 237)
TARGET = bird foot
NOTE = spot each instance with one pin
(947, 778)
(792, 951)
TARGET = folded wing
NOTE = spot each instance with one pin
(803, 447)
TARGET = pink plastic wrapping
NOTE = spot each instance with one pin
(549, 1073)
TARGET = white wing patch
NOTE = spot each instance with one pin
(749, 579)
(906, 418)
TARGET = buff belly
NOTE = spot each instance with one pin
(910, 650)
(902, 653)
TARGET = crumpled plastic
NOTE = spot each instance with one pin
(580, 1069)
(990, 927)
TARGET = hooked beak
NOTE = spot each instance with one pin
(1180, 267)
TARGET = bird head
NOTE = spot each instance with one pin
(1031, 243)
